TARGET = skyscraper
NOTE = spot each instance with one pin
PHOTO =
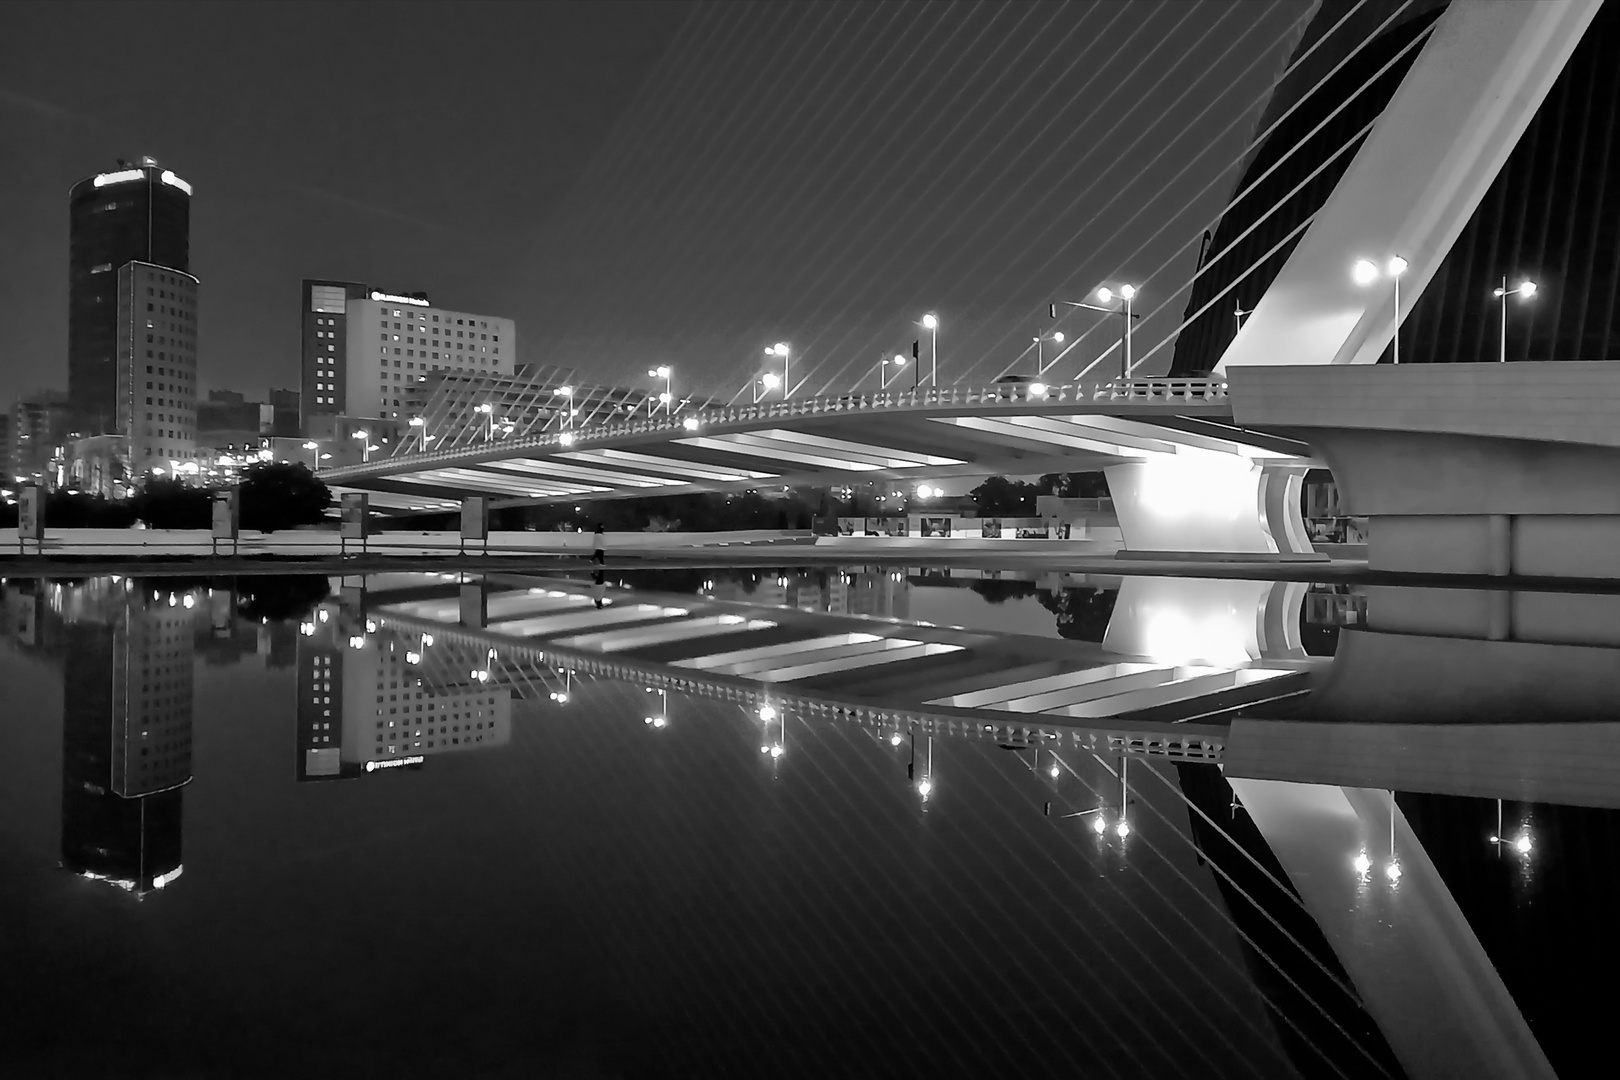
(136, 213)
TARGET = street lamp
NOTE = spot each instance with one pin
(662, 371)
(1040, 350)
(365, 441)
(899, 362)
(314, 458)
(781, 349)
(489, 414)
(1526, 290)
(930, 322)
(765, 384)
(1365, 272)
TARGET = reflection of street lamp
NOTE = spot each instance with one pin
(930, 322)
(1365, 272)
(1521, 843)
(1526, 290)
(767, 713)
(662, 719)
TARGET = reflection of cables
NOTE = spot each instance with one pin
(1221, 872)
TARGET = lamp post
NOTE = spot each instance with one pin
(1040, 351)
(1130, 317)
(884, 378)
(314, 455)
(488, 411)
(667, 398)
(930, 322)
(1526, 290)
(781, 349)
(765, 384)
(1365, 272)
(1126, 293)
(365, 440)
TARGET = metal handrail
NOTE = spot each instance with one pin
(1169, 392)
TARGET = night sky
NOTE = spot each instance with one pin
(641, 183)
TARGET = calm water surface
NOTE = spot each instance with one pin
(313, 827)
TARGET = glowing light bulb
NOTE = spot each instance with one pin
(1393, 870)
(1365, 272)
(1098, 825)
(1123, 829)
(926, 788)
(1361, 862)
(1105, 294)
(767, 713)
(1522, 844)
(1127, 292)
(1053, 772)
(1396, 266)
(894, 740)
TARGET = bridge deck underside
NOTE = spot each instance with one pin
(823, 450)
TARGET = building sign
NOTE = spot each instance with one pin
(123, 176)
(353, 519)
(390, 298)
(393, 763)
(227, 514)
(475, 518)
(31, 514)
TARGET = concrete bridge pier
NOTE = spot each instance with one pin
(1210, 503)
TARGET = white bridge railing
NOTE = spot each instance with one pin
(1169, 393)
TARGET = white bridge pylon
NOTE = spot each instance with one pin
(1415, 182)
(1183, 475)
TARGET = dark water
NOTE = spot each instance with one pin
(208, 869)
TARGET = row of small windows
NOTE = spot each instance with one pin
(398, 314)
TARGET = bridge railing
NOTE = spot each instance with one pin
(1171, 393)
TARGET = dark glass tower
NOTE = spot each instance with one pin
(134, 213)
(1552, 214)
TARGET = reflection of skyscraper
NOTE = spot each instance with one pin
(126, 734)
(320, 697)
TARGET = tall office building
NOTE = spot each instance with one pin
(364, 349)
(38, 429)
(136, 213)
(157, 365)
(1550, 215)
(8, 452)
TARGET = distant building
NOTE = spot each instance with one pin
(135, 213)
(364, 349)
(38, 430)
(7, 452)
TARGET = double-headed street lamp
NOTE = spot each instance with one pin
(314, 449)
(366, 445)
(667, 398)
(1365, 272)
(1525, 291)
(567, 393)
(782, 350)
(1127, 294)
(896, 361)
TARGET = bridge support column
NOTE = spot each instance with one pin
(1199, 502)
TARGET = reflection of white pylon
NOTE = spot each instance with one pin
(1393, 870)
(1520, 843)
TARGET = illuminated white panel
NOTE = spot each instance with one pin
(892, 646)
(1211, 682)
(895, 458)
(781, 443)
(589, 617)
(676, 468)
(172, 180)
(1192, 501)
(1006, 428)
(1101, 688)
(992, 697)
(736, 444)
(547, 468)
(707, 626)
(1188, 620)
(123, 176)
(851, 663)
(791, 648)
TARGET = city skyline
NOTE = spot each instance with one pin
(563, 194)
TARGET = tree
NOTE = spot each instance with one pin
(1086, 485)
(280, 495)
(171, 504)
(999, 495)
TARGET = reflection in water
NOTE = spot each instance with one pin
(1155, 882)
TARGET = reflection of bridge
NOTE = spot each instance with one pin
(1164, 662)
